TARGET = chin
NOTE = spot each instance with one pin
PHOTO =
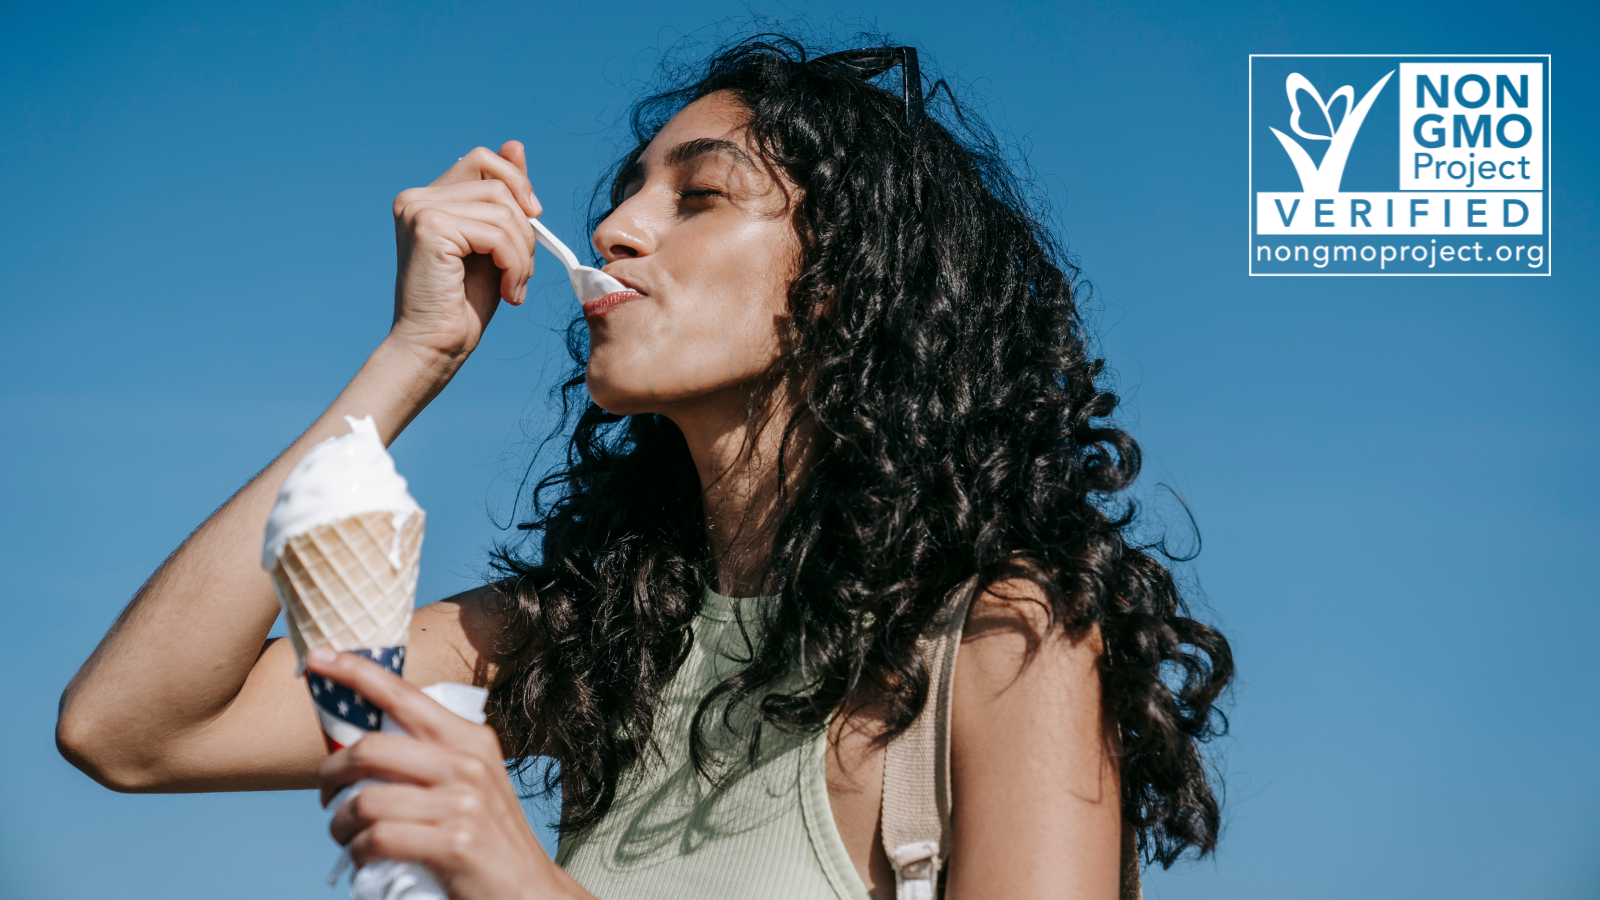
(610, 401)
(611, 396)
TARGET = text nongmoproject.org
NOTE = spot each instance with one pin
(1431, 253)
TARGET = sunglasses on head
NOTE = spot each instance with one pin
(873, 62)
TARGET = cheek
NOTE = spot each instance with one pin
(726, 331)
(738, 332)
(736, 314)
(754, 288)
(732, 285)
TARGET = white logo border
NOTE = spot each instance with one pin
(1250, 173)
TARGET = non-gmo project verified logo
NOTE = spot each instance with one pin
(1399, 165)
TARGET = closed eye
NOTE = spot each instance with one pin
(693, 201)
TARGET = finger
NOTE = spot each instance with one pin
(476, 200)
(400, 803)
(486, 228)
(416, 712)
(517, 257)
(489, 191)
(492, 199)
(431, 845)
(482, 164)
(514, 153)
(388, 757)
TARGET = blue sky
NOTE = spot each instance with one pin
(1395, 478)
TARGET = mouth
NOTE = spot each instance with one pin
(599, 307)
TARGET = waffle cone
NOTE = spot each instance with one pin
(350, 585)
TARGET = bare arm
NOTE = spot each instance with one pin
(1037, 796)
(180, 694)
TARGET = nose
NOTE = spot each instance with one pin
(623, 234)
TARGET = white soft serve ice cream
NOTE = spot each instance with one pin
(341, 477)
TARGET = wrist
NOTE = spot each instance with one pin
(396, 383)
(428, 361)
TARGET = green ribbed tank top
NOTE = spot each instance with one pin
(766, 832)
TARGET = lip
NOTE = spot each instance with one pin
(597, 308)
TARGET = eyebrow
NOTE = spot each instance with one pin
(691, 150)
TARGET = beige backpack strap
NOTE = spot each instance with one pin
(916, 771)
(916, 766)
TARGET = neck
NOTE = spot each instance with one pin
(736, 455)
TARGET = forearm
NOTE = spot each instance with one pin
(179, 654)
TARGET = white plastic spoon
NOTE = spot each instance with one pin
(588, 282)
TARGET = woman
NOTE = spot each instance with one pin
(848, 375)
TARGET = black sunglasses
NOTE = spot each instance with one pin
(871, 63)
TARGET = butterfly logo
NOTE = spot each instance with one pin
(1340, 135)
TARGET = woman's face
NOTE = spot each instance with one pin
(703, 238)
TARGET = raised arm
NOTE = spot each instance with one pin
(184, 693)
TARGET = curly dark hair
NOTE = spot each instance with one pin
(956, 424)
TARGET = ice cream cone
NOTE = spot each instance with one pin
(351, 584)
(343, 544)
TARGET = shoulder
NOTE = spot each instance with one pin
(1011, 621)
(1017, 661)
(454, 639)
(1019, 668)
(1026, 692)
